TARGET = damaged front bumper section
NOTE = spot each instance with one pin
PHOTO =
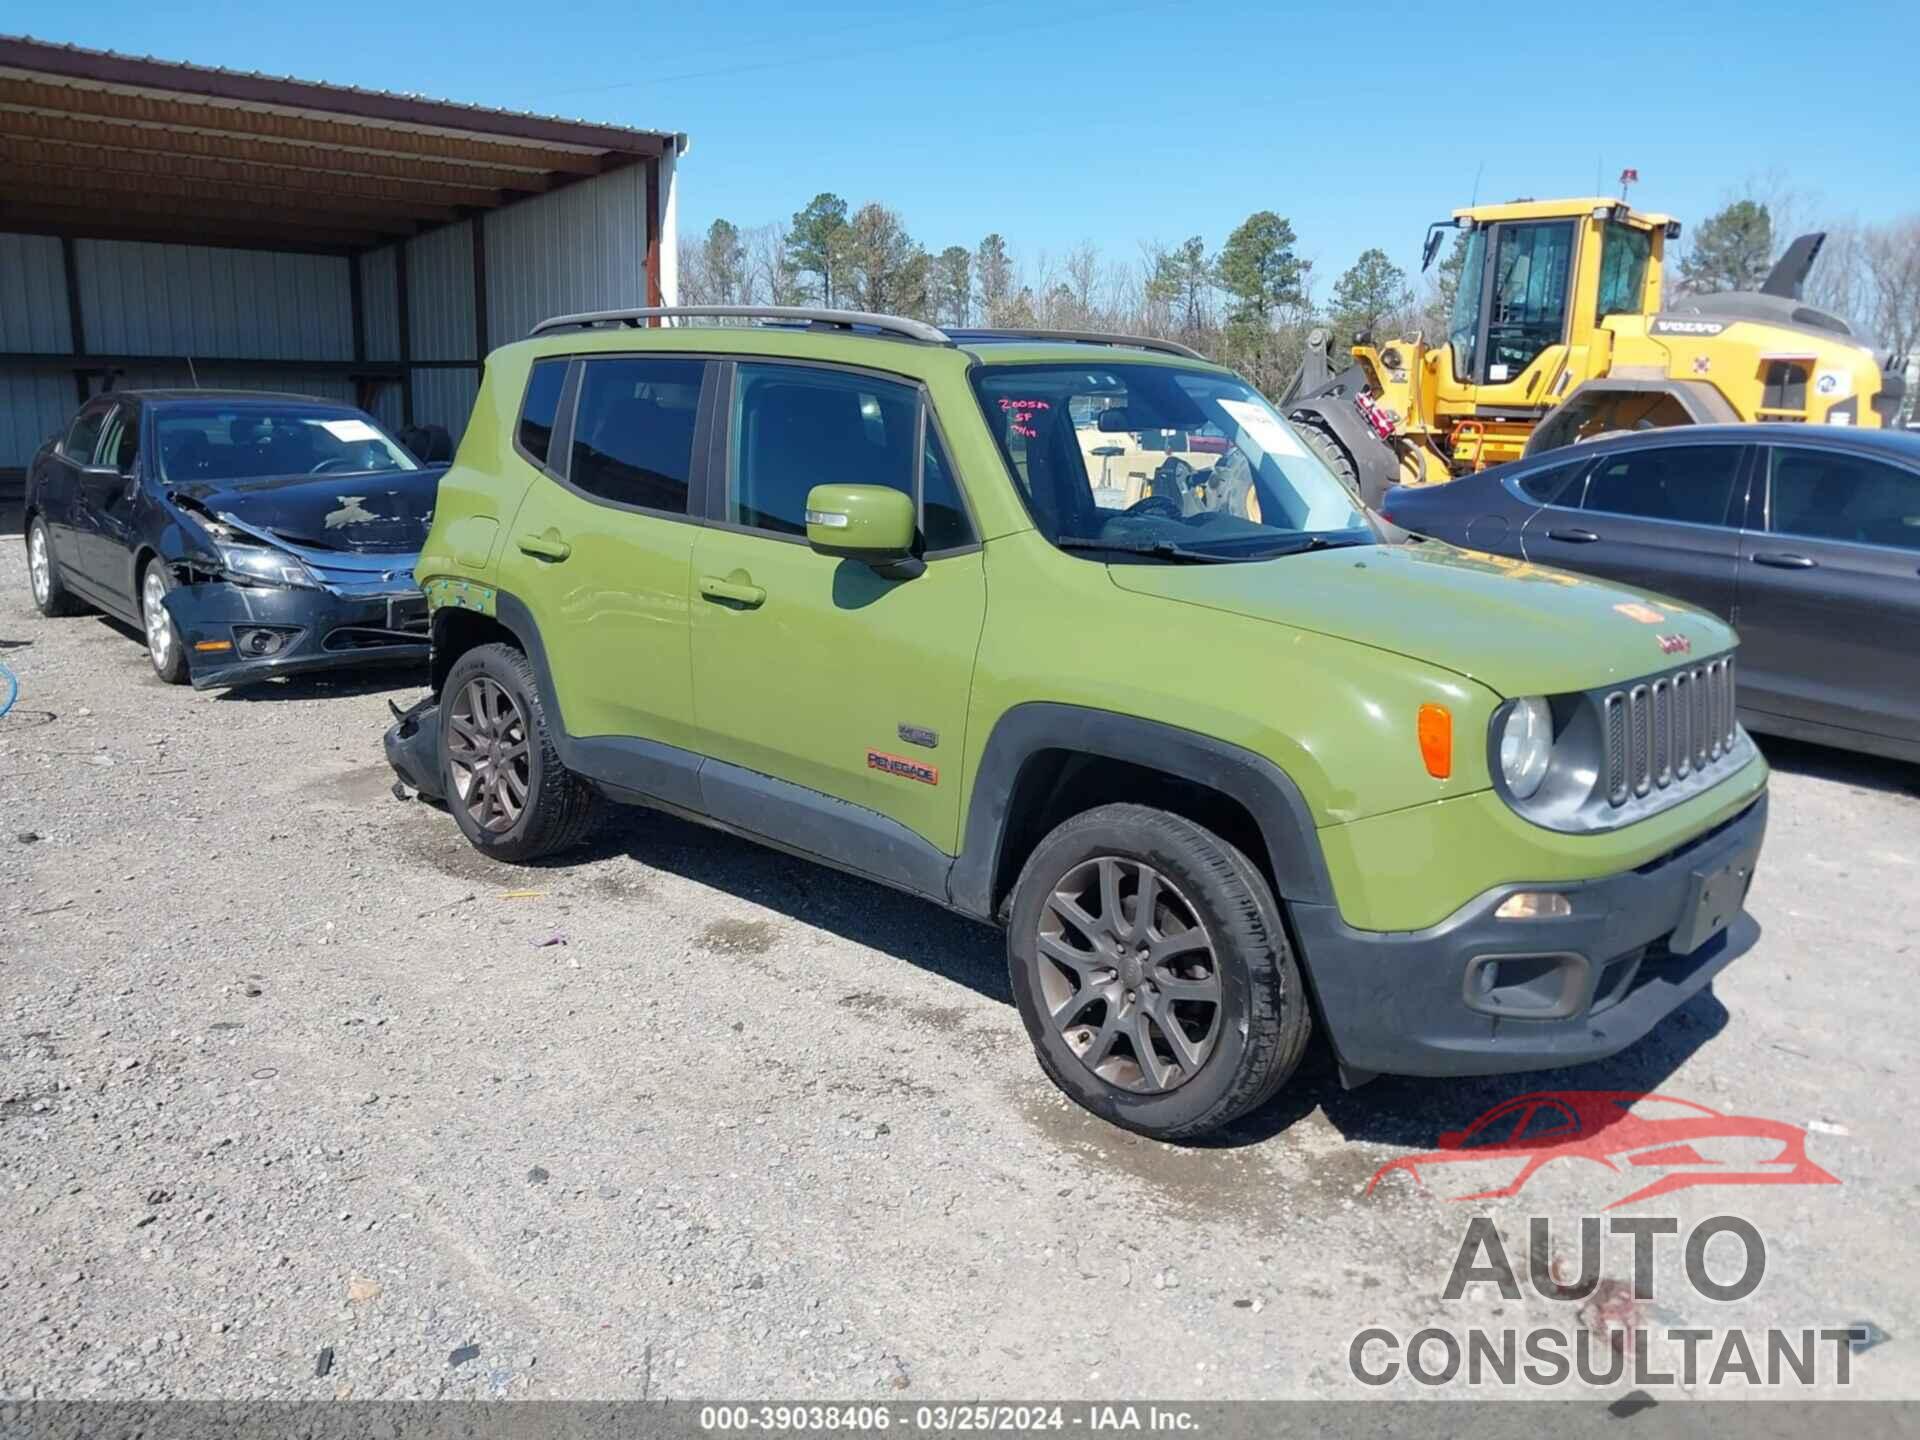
(235, 634)
(413, 746)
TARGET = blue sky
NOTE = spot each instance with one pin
(1122, 121)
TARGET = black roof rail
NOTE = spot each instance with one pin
(894, 326)
(1081, 337)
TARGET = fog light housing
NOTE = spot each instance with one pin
(1534, 905)
(262, 642)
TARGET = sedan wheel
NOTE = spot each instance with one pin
(50, 597)
(39, 565)
(163, 641)
(487, 750)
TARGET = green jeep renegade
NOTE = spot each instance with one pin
(1071, 634)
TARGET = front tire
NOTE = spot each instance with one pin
(164, 646)
(499, 770)
(1152, 970)
(50, 597)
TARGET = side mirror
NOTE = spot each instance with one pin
(102, 472)
(872, 523)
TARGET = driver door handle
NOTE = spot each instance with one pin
(729, 591)
(546, 547)
(1573, 537)
(1781, 560)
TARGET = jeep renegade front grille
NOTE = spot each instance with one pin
(1668, 728)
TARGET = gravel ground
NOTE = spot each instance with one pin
(300, 1098)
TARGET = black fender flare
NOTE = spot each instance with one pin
(1704, 406)
(1376, 467)
(1030, 730)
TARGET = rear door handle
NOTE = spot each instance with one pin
(1781, 560)
(547, 547)
(1573, 537)
(729, 591)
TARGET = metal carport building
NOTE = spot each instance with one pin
(172, 224)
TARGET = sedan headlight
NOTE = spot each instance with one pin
(259, 565)
(1526, 746)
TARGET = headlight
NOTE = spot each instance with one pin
(258, 565)
(1526, 746)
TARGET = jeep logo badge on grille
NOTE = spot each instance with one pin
(1675, 645)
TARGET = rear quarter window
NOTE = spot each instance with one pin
(1547, 484)
(540, 407)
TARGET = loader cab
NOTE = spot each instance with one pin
(1536, 281)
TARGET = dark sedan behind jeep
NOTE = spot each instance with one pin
(246, 534)
(1805, 537)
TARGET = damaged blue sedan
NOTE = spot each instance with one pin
(247, 535)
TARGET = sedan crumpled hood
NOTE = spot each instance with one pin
(1517, 628)
(387, 513)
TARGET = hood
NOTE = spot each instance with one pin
(386, 513)
(1517, 628)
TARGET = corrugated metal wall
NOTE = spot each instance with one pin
(582, 247)
(33, 295)
(140, 299)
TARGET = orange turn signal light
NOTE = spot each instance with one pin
(1436, 740)
(213, 644)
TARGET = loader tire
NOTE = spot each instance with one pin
(1321, 440)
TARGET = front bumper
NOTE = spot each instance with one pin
(1418, 1002)
(319, 630)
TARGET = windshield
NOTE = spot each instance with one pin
(1151, 460)
(253, 441)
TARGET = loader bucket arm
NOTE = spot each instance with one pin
(1788, 278)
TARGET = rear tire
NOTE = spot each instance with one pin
(50, 597)
(1101, 988)
(499, 769)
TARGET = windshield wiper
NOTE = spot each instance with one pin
(1160, 549)
(1314, 542)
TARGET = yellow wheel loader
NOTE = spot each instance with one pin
(1559, 333)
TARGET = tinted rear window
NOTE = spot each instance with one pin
(1689, 483)
(633, 432)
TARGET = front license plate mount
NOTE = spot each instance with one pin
(1713, 899)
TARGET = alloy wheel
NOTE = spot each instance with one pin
(39, 564)
(1129, 975)
(153, 593)
(487, 749)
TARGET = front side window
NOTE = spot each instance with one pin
(83, 436)
(798, 426)
(1688, 483)
(1161, 462)
(1828, 496)
(1463, 325)
(633, 431)
(261, 440)
(120, 447)
(1532, 264)
(540, 406)
(1624, 253)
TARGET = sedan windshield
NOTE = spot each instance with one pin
(254, 441)
(1153, 463)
